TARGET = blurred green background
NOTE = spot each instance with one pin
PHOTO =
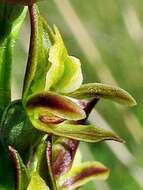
(107, 35)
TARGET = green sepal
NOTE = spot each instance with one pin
(11, 19)
(39, 164)
(49, 65)
(21, 174)
(37, 183)
(38, 64)
(17, 130)
(87, 133)
(49, 154)
(99, 90)
(43, 104)
(82, 174)
(63, 154)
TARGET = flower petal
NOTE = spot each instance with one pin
(63, 153)
(82, 174)
(104, 91)
(87, 133)
(22, 178)
(65, 73)
(38, 64)
(37, 183)
(42, 103)
(39, 164)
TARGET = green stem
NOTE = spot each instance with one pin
(11, 18)
(5, 72)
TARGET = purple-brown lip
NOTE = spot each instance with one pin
(51, 120)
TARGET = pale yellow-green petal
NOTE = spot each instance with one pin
(82, 174)
(37, 183)
(99, 90)
(72, 77)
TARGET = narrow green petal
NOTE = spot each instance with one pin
(82, 174)
(103, 91)
(39, 164)
(49, 153)
(22, 178)
(87, 133)
(38, 63)
(37, 183)
(43, 103)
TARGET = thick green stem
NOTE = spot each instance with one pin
(11, 18)
(5, 72)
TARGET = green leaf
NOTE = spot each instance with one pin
(103, 91)
(82, 174)
(22, 178)
(37, 183)
(11, 18)
(63, 154)
(44, 104)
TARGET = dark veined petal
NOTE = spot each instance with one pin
(103, 91)
(49, 152)
(37, 183)
(82, 174)
(22, 178)
(63, 154)
(43, 103)
(38, 63)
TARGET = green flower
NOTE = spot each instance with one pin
(53, 94)
(41, 133)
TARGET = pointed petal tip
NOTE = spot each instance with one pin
(106, 91)
(133, 102)
(117, 139)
